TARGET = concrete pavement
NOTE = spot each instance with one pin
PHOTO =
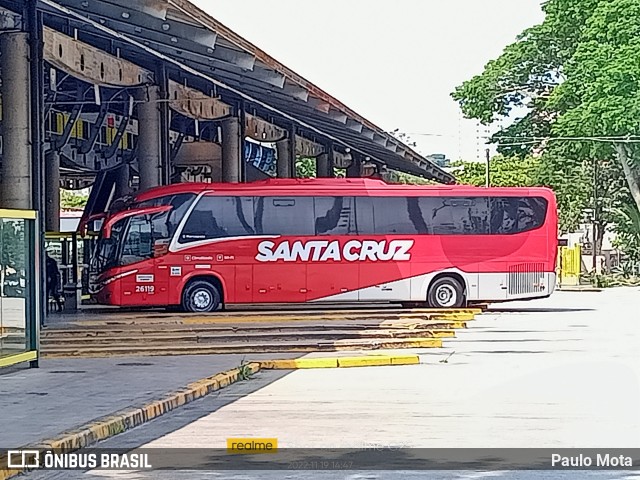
(65, 393)
(563, 372)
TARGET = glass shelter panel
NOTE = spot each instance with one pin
(16, 259)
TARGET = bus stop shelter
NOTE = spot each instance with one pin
(19, 273)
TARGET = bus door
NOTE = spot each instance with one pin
(141, 253)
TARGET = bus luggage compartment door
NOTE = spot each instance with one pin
(382, 285)
(280, 283)
(333, 282)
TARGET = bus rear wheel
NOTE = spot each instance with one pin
(201, 296)
(446, 292)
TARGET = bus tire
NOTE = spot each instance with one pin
(201, 296)
(445, 292)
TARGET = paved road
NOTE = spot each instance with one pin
(563, 372)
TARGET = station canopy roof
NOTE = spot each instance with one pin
(195, 46)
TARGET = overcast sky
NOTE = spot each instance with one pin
(394, 62)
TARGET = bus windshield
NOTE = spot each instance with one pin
(136, 237)
(106, 253)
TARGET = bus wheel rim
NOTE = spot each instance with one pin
(201, 299)
(446, 295)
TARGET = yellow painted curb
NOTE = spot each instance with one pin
(337, 362)
(405, 360)
(295, 363)
(465, 317)
(444, 333)
(124, 420)
(450, 325)
(365, 361)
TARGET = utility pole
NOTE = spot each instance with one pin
(488, 176)
(594, 226)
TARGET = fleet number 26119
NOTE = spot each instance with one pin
(145, 289)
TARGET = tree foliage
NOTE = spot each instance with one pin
(14, 248)
(72, 199)
(575, 76)
(407, 179)
(628, 232)
(504, 172)
(305, 167)
(601, 95)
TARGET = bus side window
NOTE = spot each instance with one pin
(392, 216)
(532, 212)
(504, 215)
(205, 221)
(284, 216)
(334, 215)
(511, 215)
(238, 216)
(364, 216)
(470, 215)
(437, 214)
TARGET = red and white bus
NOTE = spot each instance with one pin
(201, 246)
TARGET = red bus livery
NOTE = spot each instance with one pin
(202, 246)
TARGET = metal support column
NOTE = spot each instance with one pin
(123, 185)
(286, 155)
(283, 169)
(52, 192)
(242, 117)
(17, 180)
(231, 150)
(355, 169)
(35, 101)
(165, 124)
(149, 161)
(324, 163)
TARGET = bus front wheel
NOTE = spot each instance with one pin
(446, 292)
(201, 296)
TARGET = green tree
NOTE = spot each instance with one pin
(72, 199)
(504, 172)
(305, 167)
(601, 94)
(526, 74)
(13, 248)
(575, 76)
(407, 179)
